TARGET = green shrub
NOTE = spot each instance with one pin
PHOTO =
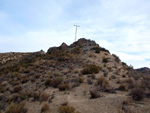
(90, 69)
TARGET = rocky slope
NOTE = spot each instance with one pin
(78, 78)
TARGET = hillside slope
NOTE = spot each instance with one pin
(82, 77)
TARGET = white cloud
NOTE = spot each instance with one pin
(122, 26)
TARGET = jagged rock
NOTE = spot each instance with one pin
(63, 46)
(52, 49)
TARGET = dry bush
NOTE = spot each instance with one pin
(137, 94)
(89, 81)
(105, 60)
(81, 79)
(63, 87)
(45, 108)
(116, 58)
(2, 89)
(93, 76)
(66, 109)
(25, 80)
(94, 93)
(103, 82)
(17, 89)
(48, 82)
(113, 77)
(57, 81)
(90, 69)
(123, 87)
(43, 97)
(145, 83)
(127, 109)
(76, 84)
(36, 96)
(37, 76)
(25, 95)
(16, 108)
(105, 74)
(130, 82)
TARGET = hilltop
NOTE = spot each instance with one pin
(78, 78)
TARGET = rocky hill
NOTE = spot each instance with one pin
(78, 78)
(144, 70)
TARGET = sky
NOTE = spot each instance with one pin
(121, 26)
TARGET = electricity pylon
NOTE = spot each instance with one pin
(76, 31)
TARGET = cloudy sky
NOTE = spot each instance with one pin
(121, 26)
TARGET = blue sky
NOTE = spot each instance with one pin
(121, 26)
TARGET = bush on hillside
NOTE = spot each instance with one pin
(89, 69)
(137, 94)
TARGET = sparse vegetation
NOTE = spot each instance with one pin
(123, 87)
(67, 109)
(57, 81)
(94, 93)
(137, 94)
(16, 108)
(103, 82)
(45, 108)
(90, 69)
(105, 60)
(63, 87)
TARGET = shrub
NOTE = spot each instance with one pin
(45, 108)
(137, 94)
(43, 97)
(16, 108)
(17, 89)
(67, 109)
(56, 82)
(89, 81)
(123, 87)
(105, 60)
(48, 82)
(130, 82)
(2, 89)
(103, 82)
(36, 96)
(113, 77)
(116, 58)
(93, 76)
(90, 69)
(94, 93)
(81, 79)
(63, 87)
(76, 50)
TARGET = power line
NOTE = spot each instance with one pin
(76, 31)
